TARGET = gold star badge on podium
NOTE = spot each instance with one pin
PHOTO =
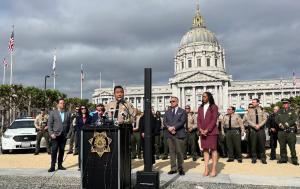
(100, 143)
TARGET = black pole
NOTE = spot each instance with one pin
(147, 113)
(45, 87)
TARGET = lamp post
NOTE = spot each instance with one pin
(45, 87)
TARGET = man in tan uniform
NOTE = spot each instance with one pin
(232, 126)
(191, 137)
(40, 124)
(120, 111)
(256, 119)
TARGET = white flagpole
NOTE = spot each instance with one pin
(4, 67)
(54, 69)
(81, 77)
(54, 76)
(100, 87)
(11, 67)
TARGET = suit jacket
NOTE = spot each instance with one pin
(210, 120)
(56, 125)
(178, 122)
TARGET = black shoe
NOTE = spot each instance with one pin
(295, 163)
(172, 172)
(185, 157)
(253, 161)
(139, 157)
(49, 152)
(272, 158)
(36, 153)
(52, 169)
(281, 161)
(164, 158)
(230, 160)
(75, 153)
(181, 172)
(60, 167)
(202, 159)
(264, 161)
(133, 157)
(70, 152)
(194, 159)
(240, 161)
(157, 157)
(79, 169)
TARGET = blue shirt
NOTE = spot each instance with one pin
(62, 115)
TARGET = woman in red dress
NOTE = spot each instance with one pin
(208, 131)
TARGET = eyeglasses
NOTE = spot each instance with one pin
(83, 108)
(172, 101)
(187, 108)
(229, 109)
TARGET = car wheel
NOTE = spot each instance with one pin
(4, 151)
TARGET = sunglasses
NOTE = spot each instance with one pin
(187, 108)
(172, 101)
(83, 108)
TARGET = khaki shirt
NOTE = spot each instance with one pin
(41, 121)
(126, 112)
(250, 117)
(136, 123)
(236, 122)
(192, 121)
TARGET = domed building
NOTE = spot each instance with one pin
(199, 66)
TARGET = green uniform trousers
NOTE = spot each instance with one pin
(233, 143)
(289, 139)
(258, 140)
(190, 142)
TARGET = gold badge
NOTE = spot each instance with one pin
(100, 143)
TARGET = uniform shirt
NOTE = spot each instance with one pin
(286, 118)
(126, 113)
(39, 120)
(192, 121)
(236, 122)
(250, 117)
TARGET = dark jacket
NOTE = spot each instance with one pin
(178, 122)
(271, 123)
(80, 123)
(153, 124)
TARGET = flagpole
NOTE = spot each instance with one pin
(4, 74)
(54, 76)
(81, 77)
(11, 67)
(100, 86)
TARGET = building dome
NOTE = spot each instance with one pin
(198, 35)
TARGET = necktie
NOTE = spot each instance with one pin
(117, 110)
(173, 113)
(229, 123)
(256, 116)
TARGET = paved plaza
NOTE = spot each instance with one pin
(24, 170)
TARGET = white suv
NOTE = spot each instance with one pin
(21, 134)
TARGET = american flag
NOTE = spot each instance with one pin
(5, 62)
(294, 79)
(11, 42)
(81, 73)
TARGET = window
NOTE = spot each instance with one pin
(199, 62)
(208, 62)
(190, 63)
(182, 65)
(216, 62)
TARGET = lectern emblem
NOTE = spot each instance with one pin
(100, 143)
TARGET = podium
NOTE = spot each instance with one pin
(105, 157)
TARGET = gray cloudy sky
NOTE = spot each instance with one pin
(121, 37)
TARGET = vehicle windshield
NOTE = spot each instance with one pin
(22, 124)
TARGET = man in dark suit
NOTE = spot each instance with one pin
(174, 120)
(58, 127)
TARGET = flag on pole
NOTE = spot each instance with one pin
(81, 73)
(5, 64)
(11, 42)
(54, 62)
(294, 79)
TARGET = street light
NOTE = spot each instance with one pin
(45, 87)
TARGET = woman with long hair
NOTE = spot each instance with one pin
(208, 131)
(83, 118)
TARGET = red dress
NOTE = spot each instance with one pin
(210, 123)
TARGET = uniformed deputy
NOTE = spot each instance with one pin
(120, 110)
(286, 119)
(233, 126)
(40, 124)
(191, 137)
(273, 132)
(256, 119)
(136, 138)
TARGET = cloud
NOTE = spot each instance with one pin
(120, 38)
